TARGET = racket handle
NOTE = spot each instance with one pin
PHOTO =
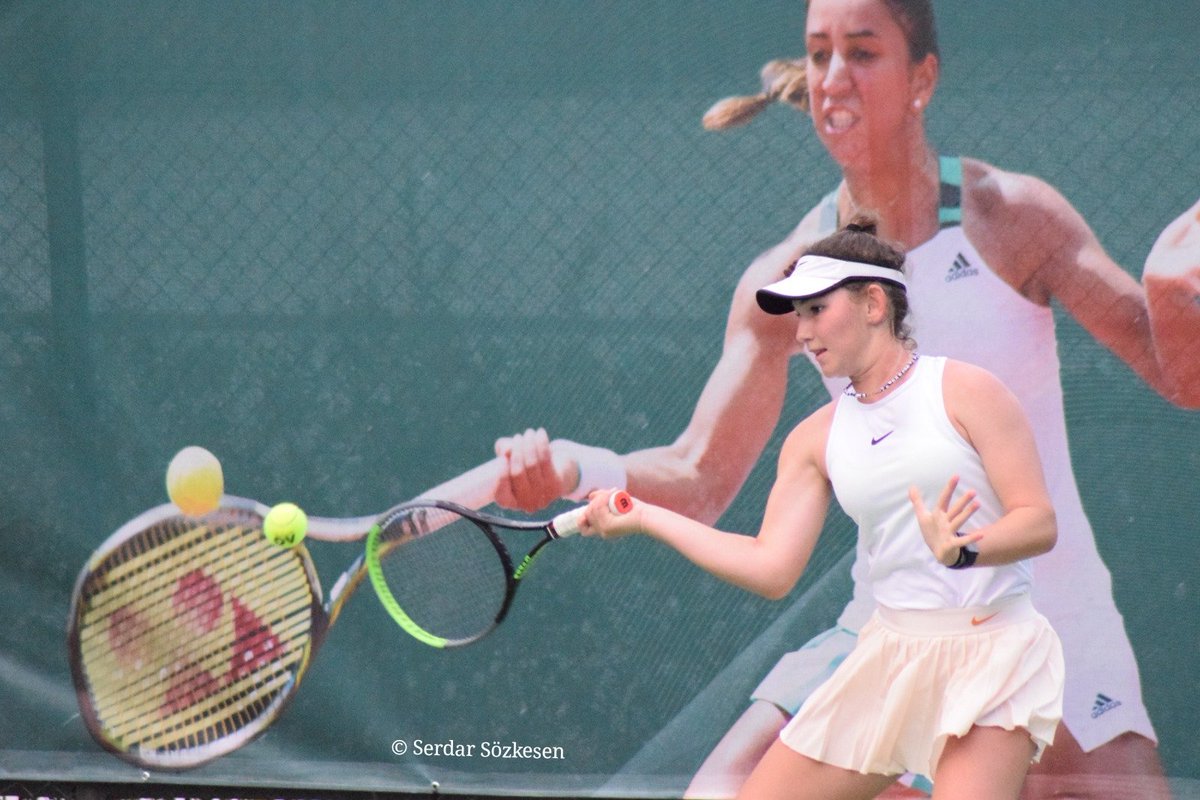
(619, 502)
(567, 523)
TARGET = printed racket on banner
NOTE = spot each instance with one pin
(454, 588)
(188, 636)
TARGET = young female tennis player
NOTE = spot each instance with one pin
(955, 675)
(988, 251)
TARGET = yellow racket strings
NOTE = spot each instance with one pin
(191, 631)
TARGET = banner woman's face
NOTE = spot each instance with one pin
(860, 78)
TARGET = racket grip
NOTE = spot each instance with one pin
(619, 502)
(567, 523)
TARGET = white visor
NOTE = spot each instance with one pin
(814, 275)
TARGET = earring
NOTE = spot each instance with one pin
(917, 103)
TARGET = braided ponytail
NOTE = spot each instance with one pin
(783, 80)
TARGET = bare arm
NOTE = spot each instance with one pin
(702, 470)
(990, 417)
(1043, 247)
(768, 564)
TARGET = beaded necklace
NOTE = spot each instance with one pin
(849, 390)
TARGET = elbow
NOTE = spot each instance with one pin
(1180, 388)
(1050, 541)
(771, 571)
(1177, 380)
(775, 587)
(1049, 537)
(1185, 397)
(773, 593)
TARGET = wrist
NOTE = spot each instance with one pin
(599, 468)
(966, 558)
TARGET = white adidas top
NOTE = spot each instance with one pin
(876, 451)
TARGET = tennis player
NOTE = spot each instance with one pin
(955, 674)
(988, 250)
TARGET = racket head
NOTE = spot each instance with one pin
(441, 571)
(187, 636)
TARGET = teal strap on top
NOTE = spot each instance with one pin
(950, 198)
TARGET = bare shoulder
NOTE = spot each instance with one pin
(990, 192)
(804, 447)
(973, 393)
(1021, 225)
(965, 377)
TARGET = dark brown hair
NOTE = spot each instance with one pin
(915, 18)
(859, 241)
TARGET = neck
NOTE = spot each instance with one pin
(900, 190)
(883, 375)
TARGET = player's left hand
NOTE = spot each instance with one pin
(941, 525)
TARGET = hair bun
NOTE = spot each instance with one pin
(863, 223)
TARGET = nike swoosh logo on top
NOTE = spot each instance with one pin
(978, 621)
(875, 441)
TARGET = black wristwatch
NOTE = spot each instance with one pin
(965, 558)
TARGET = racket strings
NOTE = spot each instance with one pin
(190, 631)
(444, 572)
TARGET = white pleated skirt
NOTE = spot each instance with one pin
(918, 678)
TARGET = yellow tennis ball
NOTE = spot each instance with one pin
(285, 525)
(194, 481)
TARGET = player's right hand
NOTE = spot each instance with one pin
(608, 520)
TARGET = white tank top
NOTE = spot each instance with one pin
(876, 451)
(964, 310)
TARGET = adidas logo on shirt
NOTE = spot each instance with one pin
(1103, 705)
(961, 268)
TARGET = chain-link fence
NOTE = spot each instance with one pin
(346, 246)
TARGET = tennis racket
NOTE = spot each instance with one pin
(188, 636)
(454, 588)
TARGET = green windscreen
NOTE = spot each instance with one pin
(346, 246)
